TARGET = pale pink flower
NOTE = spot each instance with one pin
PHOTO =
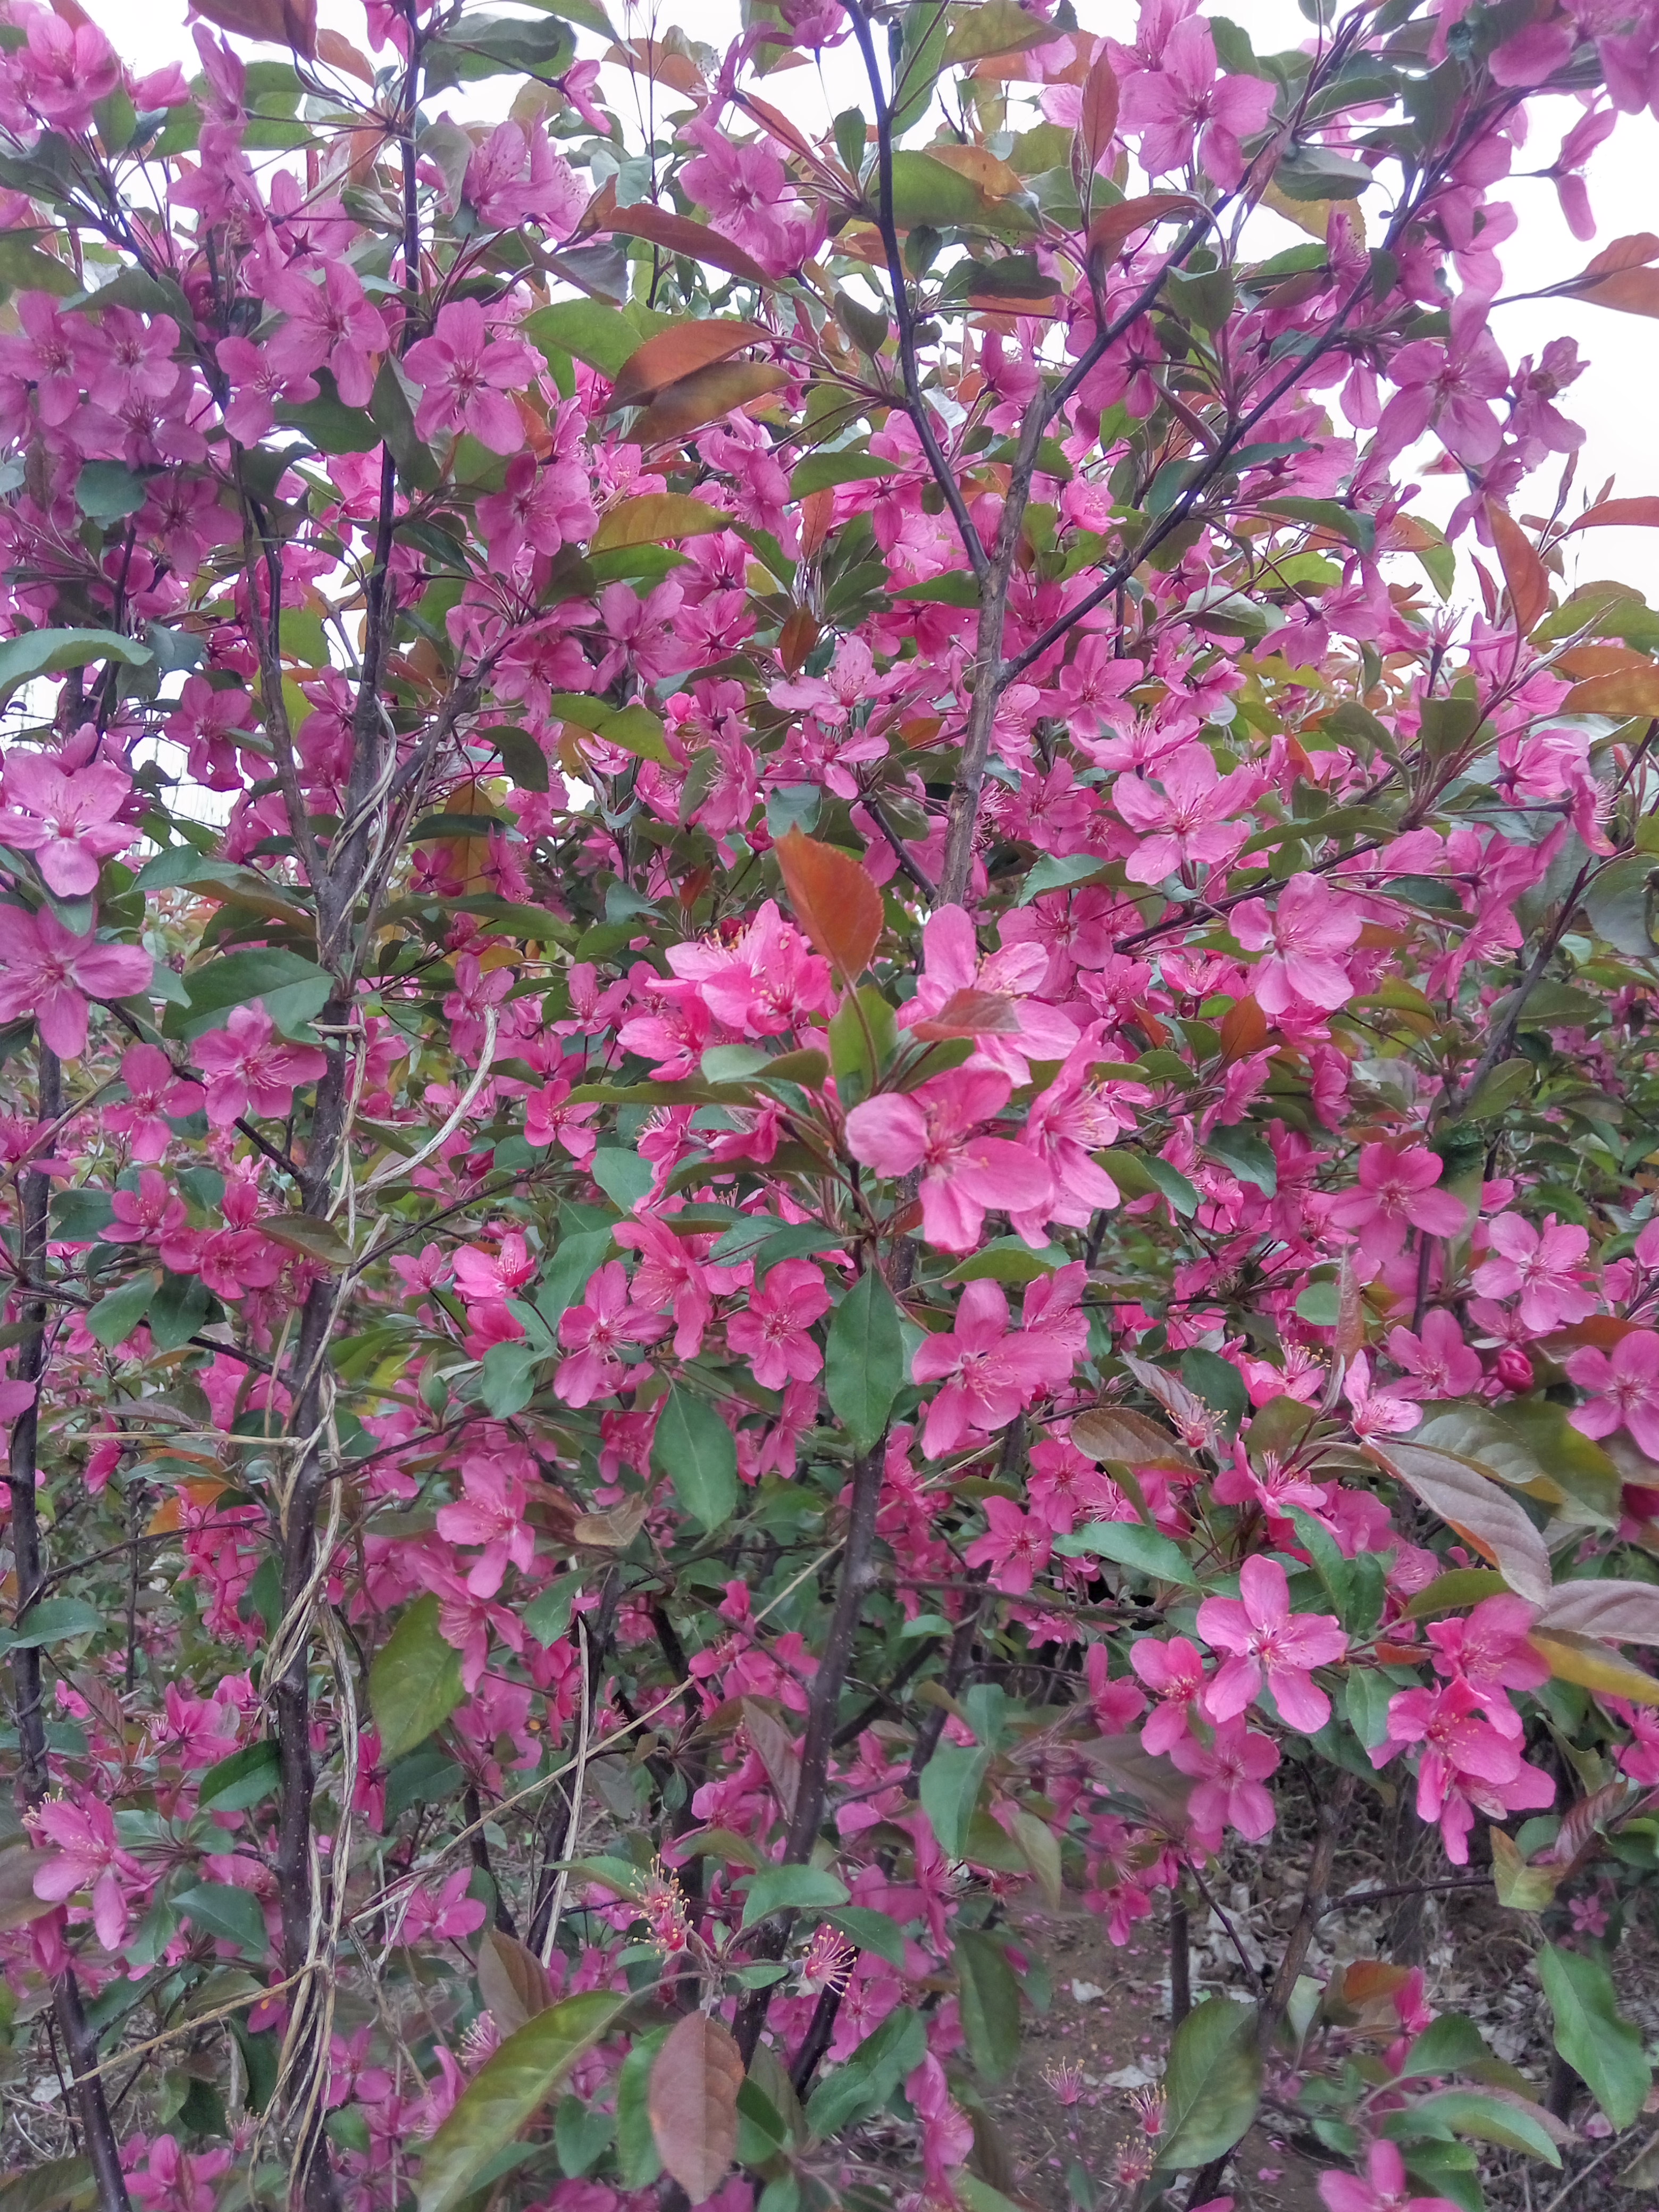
(66, 817)
(1542, 1265)
(1625, 1388)
(87, 1857)
(468, 376)
(1272, 1648)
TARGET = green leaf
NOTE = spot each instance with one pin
(1360, 530)
(871, 1931)
(507, 2091)
(1217, 1382)
(54, 1622)
(920, 58)
(235, 1916)
(119, 1311)
(864, 1360)
(1489, 2120)
(996, 26)
(818, 471)
(1249, 1157)
(178, 1311)
(694, 1448)
(602, 336)
(623, 1176)
(1450, 2044)
(638, 2162)
(415, 1683)
(109, 491)
(870, 2076)
(53, 2185)
(247, 1777)
(950, 1790)
(1054, 873)
(50, 652)
(1601, 2046)
(988, 2001)
(330, 425)
(792, 1889)
(291, 989)
(1213, 2084)
(1131, 1545)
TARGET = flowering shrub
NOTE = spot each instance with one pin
(890, 1153)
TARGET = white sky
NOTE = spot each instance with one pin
(1613, 400)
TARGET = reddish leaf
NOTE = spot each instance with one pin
(679, 234)
(836, 900)
(1631, 252)
(1587, 661)
(1523, 572)
(1471, 1503)
(971, 1013)
(680, 352)
(1243, 1029)
(796, 638)
(339, 53)
(1641, 513)
(1114, 225)
(1632, 291)
(692, 2099)
(277, 23)
(1628, 692)
(704, 397)
(1118, 1432)
(18, 1865)
(777, 1753)
(786, 133)
(512, 1981)
(1099, 118)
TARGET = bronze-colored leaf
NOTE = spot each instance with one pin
(512, 1981)
(18, 1865)
(277, 23)
(1523, 572)
(703, 397)
(1607, 514)
(1099, 117)
(777, 1751)
(1626, 693)
(664, 359)
(1593, 1666)
(971, 1013)
(693, 2103)
(1113, 226)
(614, 1529)
(836, 900)
(1470, 1501)
(1117, 1432)
(679, 234)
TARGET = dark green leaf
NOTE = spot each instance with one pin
(235, 1916)
(119, 1312)
(950, 1790)
(1213, 2084)
(864, 1364)
(1131, 1545)
(988, 2001)
(50, 652)
(415, 1683)
(694, 1448)
(1600, 2045)
(790, 1888)
(247, 1777)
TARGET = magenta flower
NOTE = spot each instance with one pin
(1231, 1770)
(1625, 1388)
(67, 819)
(1383, 2189)
(990, 1375)
(65, 70)
(1447, 389)
(250, 1069)
(468, 376)
(1189, 819)
(154, 1096)
(1016, 1548)
(749, 197)
(1397, 1191)
(1301, 934)
(964, 1175)
(1382, 1413)
(330, 325)
(1489, 1649)
(1438, 1363)
(1466, 1765)
(595, 1334)
(87, 1857)
(1272, 1648)
(145, 1214)
(1542, 1265)
(772, 1333)
(512, 178)
(48, 971)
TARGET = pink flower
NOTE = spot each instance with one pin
(451, 1913)
(746, 191)
(512, 180)
(1438, 1363)
(989, 1374)
(1308, 926)
(1272, 1648)
(66, 817)
(1376, 1412)
(1188, 820)
(146, 1213)
(1383, 2189)
(1396, 1190)
(772, 1333)
(1466, 1764)
(175, 2180)
(1174, 1671)
(48, 971)
(65, 70)
(490, 1513)
(1447, 388)
(87, 1857)
(1626, 1384)
(468, 375)
(257, 384)
(154, 1095)
(1540, 1265)
(250, 1069)
(331, 325)
(963, 1176)
(1490, 1651)
(1230, 1771)
(595, 1332)
(1015, 1547)
(1171, 106)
